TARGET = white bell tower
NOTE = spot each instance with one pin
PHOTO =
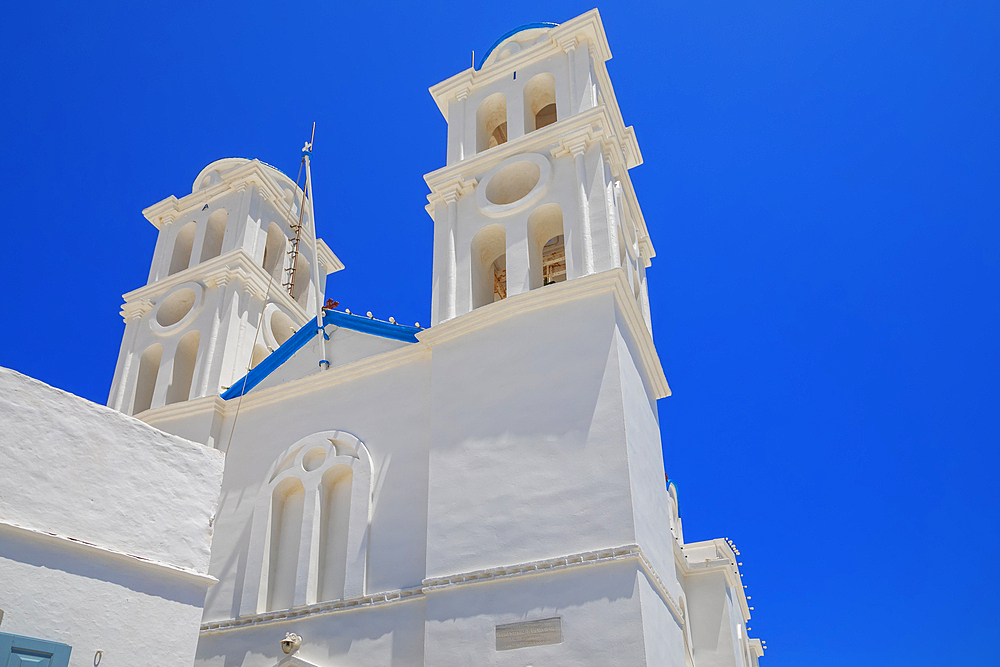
(536, 190)
(223, 265)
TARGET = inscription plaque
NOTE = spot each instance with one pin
(529, 633)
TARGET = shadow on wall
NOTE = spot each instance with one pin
(386, 635)
(552, 398)
(564, 590)
(54, 554)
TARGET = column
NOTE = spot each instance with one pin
(576, 144)
(449, 194)
(569, 47)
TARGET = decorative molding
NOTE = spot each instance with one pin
(136, 309)
(190, 408)
(584, 29)
(539, 141)
(577, 142)
(233, 265)
(238, 179)
(451, 191)
(724, 563)
(436, 585)
(264, 618)
(317, 381)
(567, 44)
(113, 554)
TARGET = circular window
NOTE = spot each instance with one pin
(175, 307)
(513, 183)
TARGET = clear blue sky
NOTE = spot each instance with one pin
(821, 183)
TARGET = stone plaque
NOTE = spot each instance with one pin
(529, 633)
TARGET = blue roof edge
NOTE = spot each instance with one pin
(297, 341)
(511, 33)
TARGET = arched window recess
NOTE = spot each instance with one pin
(309, 535)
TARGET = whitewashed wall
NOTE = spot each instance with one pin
(105, 528)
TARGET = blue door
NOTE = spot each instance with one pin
(18, 651)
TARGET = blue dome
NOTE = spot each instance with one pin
(526, 26)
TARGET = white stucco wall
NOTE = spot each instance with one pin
(598, 605)
(528, 459)
(105, 527)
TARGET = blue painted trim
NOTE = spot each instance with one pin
(272, 361)
(526, 26)
(399, 332)
(11, 645)
(298, 340)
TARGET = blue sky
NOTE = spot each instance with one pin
(821, 183)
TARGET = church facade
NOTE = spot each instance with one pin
(487, 490)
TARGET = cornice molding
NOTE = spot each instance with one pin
(438, 585)
(613, 280)
(725, 563)
(235, 265)
(578, 141)
(596, 120)
(319, 380)
(136, 309)
(254, 172)
(451, 191)
(584, 29)
(190, 408)
(597, 557)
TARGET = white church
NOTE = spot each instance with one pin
(276, 481)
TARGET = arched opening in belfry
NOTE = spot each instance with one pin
(149, 368)
(275, 249)
(287, 503)
(303, 278)
(489, 265)
(215, 232)
(282, 326)
(259, 354)
(185, 357)
(546, 246)
(183, 243)
(335, 518)
(491, 122)
(539, 102)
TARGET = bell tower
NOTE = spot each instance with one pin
(230, 257)
(536, 190)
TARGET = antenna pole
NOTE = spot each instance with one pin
(306, 155)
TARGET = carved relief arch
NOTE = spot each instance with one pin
(309, 533)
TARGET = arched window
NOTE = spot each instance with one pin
(149, 368)
(298, 557)
(491, 122)
(546, 246)
(489, 265)
(184, 361)
(335, 508)
(275, 249)
(287, 502)
(183, 243)
(539, 102)
(214, 234)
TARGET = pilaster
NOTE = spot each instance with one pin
(448, 194)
